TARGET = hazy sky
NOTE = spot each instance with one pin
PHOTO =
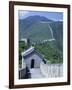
(57, 16)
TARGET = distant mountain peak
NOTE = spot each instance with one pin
(37, 18)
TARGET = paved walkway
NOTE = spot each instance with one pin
(36, 73)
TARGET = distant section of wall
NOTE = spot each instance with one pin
(51, 70)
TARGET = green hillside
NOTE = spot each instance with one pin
(57, 28)
(50, 53)
(49, 50)
(38, 31)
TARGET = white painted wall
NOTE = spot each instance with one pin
(4, 45)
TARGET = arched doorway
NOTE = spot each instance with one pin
(32, 63)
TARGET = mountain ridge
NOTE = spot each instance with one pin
(38, 28)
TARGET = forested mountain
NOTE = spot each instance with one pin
(39, 29)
